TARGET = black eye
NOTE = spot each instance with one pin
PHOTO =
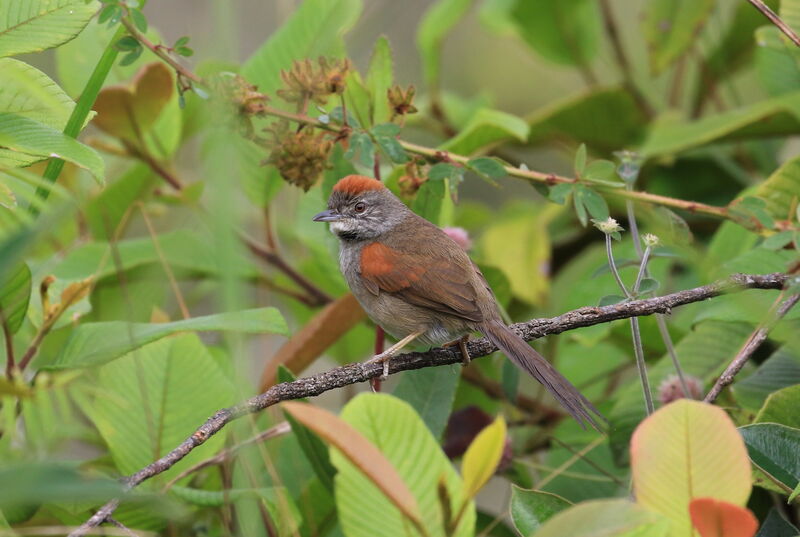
(360, 207)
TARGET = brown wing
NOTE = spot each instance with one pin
(421, 278)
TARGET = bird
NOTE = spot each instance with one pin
(420, 286)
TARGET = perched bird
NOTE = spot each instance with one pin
(419, 285)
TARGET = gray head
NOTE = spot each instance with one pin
(361, 208)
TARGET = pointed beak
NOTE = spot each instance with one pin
(327, 216)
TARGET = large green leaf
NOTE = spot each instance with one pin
(605, 120)
(781, 190)
(670, 28)
(485, 128)
(379, 79)
(97, 343)
(394, 427)
(532, 508)
(34, 483)
(777, 116)
(774, 448)
(782, 407)
(31, 93)
(687, 450)
(314, 29)
(437, 21)
(26, 141)
(431, 391)
(564, 32)
(182, 249)
(34, 25)
(15, 292)
(780, 370)
(703, 353)
(777, 61)
(152, 399)
(776, 526)
(604, 518)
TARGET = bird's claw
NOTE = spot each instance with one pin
(382, 358)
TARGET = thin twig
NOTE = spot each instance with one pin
(753, 342)
(774, 19)
(613, 267)
(125, 529)
(318, 296)
(161, 53)
(227, 453)
(361, 372)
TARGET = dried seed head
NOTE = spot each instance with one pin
(410, 182)
(307, 81)
(670, 389)
(301, 157)
(401, 101)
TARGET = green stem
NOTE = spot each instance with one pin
(81, 112)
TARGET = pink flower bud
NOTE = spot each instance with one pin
(460, 235)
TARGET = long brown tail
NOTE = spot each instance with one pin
(535, 364)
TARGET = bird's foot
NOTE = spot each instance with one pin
(462, 345)
(382, 358)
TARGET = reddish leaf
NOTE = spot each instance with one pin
(322, 331)
(128, 111)
(717, 518)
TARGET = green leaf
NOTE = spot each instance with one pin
(780, 370)
(781, 407)
(139, 20)
(437, 21)
(558, 193)
(774, 448)
(97, 343)
(781, 190)
(695, 448)
(153, 399)
(361, 143)
(604, 119)
(777, 61)
(443, 171)
(603, 172)
(531, 508)
(592, 201)
(703, 352)
(483, 456)
(380, 79)
(670, 28)
(609, 300)
(509, 376)
(431, 393)
(487, 127)
(565, 32)
(579, 166)
(32, 94)
(778, 240)
(394, 427)
(181, 249)
(386, 137)
(600, 518)
(26, 137)
(777, 116)
(34, 25)
(314, 29)
(487, 168)
(776, 526)
(313, 448)
(15, 292)
(648, 285)
(518, 241)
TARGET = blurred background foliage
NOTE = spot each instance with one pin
(172, 269)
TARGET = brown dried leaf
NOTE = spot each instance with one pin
(127, 111)
(322, 331)
(75, 292)
(360, 451)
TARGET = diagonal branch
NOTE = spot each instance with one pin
(777, 21)
(361, 372)
(778, 311)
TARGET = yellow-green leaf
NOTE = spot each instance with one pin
(359, 451)
(687, 450)
(604, 518)
(482, 457)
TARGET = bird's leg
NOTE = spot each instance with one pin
(462, 345)
(386, 355)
